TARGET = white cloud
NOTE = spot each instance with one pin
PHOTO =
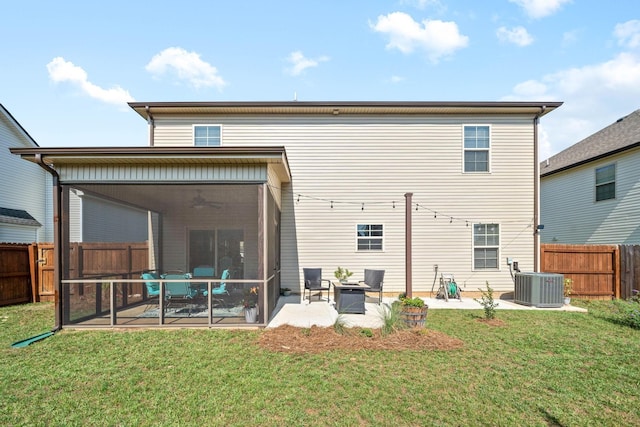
(397, 79)
(540, 8)
(438, 39)
(423, 4)
(301, 63)
(516, 35)
(66, 71)
(187, 66)
(628, 33)
(594, 96)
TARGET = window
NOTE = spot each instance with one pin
(486, 243)
(476, 148)
(369, 237)
(606, 183)
(206, 136)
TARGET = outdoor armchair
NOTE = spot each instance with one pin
(313, 281)
(374, 279)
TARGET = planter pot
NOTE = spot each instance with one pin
(286, 293)
(414, 317)
(251, 314)
(567, 300)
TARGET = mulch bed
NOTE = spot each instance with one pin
(290, 339)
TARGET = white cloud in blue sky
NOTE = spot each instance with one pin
(62, 71)
(186, 66)
(628, 33)
(540, 8)
(299, 63)
(516, 35)
(438, 39)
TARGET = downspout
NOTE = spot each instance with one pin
(57, 233)
(536, 192)
(152, 125)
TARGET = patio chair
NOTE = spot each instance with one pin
(203, 272)
(178, 292)
(313, 282)
(153, 287)
(374, 279)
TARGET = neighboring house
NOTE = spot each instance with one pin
(590, 192)
(25, 189)
(272, 187)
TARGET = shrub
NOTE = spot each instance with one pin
(628, 313)
(487, 302)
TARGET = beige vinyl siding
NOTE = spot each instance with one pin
(375, 160)
(24, 186)
(164, 173)
(571, 215)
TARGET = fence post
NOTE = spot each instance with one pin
(33, 272)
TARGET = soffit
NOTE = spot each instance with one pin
(339, 108)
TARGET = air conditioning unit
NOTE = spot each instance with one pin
(542, 290)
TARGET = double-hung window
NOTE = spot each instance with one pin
(369, 237)
(606, 183)
(206, 135)
(486, 246)
(477, 142)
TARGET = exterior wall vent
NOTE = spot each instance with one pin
(542, 290)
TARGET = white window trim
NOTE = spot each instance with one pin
(595, 182)
(357, 238)
(473, 248)
(193, 133)
(488, 171)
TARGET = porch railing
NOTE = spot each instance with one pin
(117, 302)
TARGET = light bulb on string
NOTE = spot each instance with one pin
(332, 204)
(450, 219)
(362, 207)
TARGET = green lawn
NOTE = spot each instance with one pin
(540, 368)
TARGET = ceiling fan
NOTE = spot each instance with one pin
(199, 202)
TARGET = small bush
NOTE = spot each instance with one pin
(366, 332)
(391, 319)
(628, 313)
(487, 302)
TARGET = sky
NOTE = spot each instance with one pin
(68, 68)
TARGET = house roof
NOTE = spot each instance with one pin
(4, 112)
(620, 136)
(158, 155)
(146, 109)
(18, 217)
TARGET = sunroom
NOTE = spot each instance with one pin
(179, 236)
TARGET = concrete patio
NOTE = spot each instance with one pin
(291, 310)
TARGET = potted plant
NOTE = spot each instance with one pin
(413, 311)
(568, 288)
(285, 291)
(250, 303)
(342, 274)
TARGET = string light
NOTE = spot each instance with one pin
(299, 196)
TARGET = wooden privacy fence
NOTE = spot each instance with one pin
(26, 270)
(597, 271)
(16, 269)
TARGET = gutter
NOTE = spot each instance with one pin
(57, 233)
(536, 192)
(152, 125)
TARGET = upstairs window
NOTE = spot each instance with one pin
(206, 135)
(476, 148)
(486, 246)
(369, 237)
(606, 183)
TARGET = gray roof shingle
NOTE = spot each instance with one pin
(622, 135)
